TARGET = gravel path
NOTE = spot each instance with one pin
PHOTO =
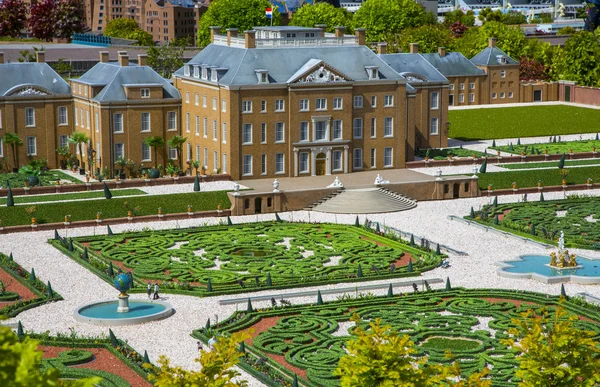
(171, 337)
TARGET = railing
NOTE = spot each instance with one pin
(92, 40)
(287, 42)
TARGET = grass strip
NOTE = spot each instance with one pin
(114, 208)
(442, 154)
(47, 178)
(73, 196)
(513, 122)
(550, 164)
(529, 178)
(553, 147)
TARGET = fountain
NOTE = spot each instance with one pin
(563, 259)
(123, 311)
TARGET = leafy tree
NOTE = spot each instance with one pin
(510, 39)
(554, 352)
(380, 356)
(458, 29)
(14, 141)
(177, 142)
(62, 67)
(533, 70)
(429, 37)
(42, 20)
(69, 18)
(578, 60)
(241, 14)
(13, 17)
(468, 18)
(217, 367)
(78, 138)
(128, 29)
(384, 19)
(155, 142)
(166, 59)
(321, 13)
(511, 17)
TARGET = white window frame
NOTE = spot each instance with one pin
(97, 122)
(146, 121)
(63, 140)
(502, 73)
(389, 164)
(187, 122)
(471, 85)
(461, 86)
(118, 123)
(224, 163)
(338, 103)
(502, 95)
(187, 97)
(279, 105)
(172, 153)
(494, 95)
(263, 106)
(246, 134)
(76, 116)
(325, 132)
(204, 100)
(215, 161)
(145, 92)
(388, 127)
(215, 130)
(224, 105)
(338, 129)
(263, 164)
(119, 153)
(31, 144)
(247, 106)
(205, 127)
(373, 127)
(171, 120)
(451, 86)
(188, 151)
(197, 125)
(357, 158)
(321, 104)
(247, 165)
(373, 101)
(30, 117)
(214, 103)
(337, 155)
(388, 100)
(146, 148)
(304, 105)
(205, 158)
(279, 129)
(279, 162)
(434, 129)
(263, 132)
(357, 128)
(510, 94)
(434, 100)
(197, 152)
(224, 132)
(63, 118)
(373, 158)
(1, 148)
(461, 98)
(471, 97)
(303, 161)
(196, 99)
(304, 131)
(358, 101)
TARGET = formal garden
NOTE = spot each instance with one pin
(538, 177)
(28, 176)
(551, 164)
(229, 258)
(553, 146)
(309, 340)
(445, 153)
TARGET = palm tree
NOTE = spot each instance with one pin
(177, 142)
(79, 138)
(155, 142)
(14, 141)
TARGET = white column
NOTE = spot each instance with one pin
(345, 159)
(328, 162)
(313, 163)
(295, 162)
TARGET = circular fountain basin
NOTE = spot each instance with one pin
(537, 267)
(140, 311)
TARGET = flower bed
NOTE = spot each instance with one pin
(307, 340)
(550, 147)
(229, 259)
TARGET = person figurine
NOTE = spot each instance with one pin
(155, 292)
(199, 346)
(211, 343)
(149, 290)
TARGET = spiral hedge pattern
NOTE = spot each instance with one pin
(469, 322)
(579, 223)
(242, 257)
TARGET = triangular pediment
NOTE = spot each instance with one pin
(317, 71)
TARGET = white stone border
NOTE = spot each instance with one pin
(123, 321)
(544, 278)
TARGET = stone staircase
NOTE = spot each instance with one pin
(310, 207)
(363, 201)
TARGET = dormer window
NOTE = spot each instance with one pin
(196, 71)
(145, 93)
(214, 75)
(204, 73)
(501, 59)
(186, 70)
(263, 76)
(372, 72)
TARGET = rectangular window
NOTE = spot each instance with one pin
(118, 122)
(197, 152)
(304, 105)
(29, 116)
(388, 100)
(145, 93)
(451, 86)
(214, 103)
(321, 104)
(358, 101)
(303, 162)
(388, 160)
(337, 129)
(358, 128)
(223, 106)
(373, 101)
(188, 152)
(205, 127)
(434, 100)
(357, 159)
(279, 105)
(62, 115)
(197, 125)
(263, 164)
(388, 127)
(215, 161)
(146, 154)
(471, 97)
(224, 165)
(63, 141)
(247, 134)
(145, 122)
(279, 132)
(494, 95)
(472, 86)
(196, 99)
(171, 120)
(433, 126)
(76, 116)
(263, 106)
(337, 160)
(461, 86)
(373, 127)
(247, 165)
(321, 131)
(502, 73)
(87, 118)
(337, 103)
(204, 100)
(187, 122)
(1, 148)
(215, 130)
(279, 163)
(31, 146)
(172, 153)
(247, 106)
(205, 158)
(82, 118)
(263, 133)
(502, 95)
(510, 94)
(119, 151)
(461, 98)
(304, 131)
(97, 122)
(373, 158)
(224, 132)
(187, 97)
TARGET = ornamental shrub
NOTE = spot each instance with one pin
(410, 266)
(146, 357)
(85, 255)
(359, 272)
(10, 202)
(229, 222)
(209, 285)
(269, 281)
(20, 333)
(390, 291)
(111, 272)
(113, 339)
(109, 230)
(196, 184)
(563, 293)
(561, 162)
(319, 298)
(483, 167)
(356, 222)
(32, 276)
(249, 308)
(448, 286)
(49, 290)
(107, 193)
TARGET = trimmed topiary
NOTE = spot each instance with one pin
(561, 162)
(146, 357)
(32, 277)
(409, 268)
(532, 230)
(197, 184)
(70, 245)
(448, 286)
(390, 291)
(495, 202)
(542, 197)
(10, 201)
(377, 230)
(295, 381)
(109, 230)
(20, 332)
(412, 240)
(496, 219)
(229, 222)
(277, 218)
(56, 236)
(249, 308)
(493, 143)
(107, 193)
(113, 339)
(49, 290)
(356, 222)
(483, 167)
(111, 271)
(437, 250)
(518, 141)
(319, 298)
(242, 347)
(563, 293)
(85, 255)
(10, 257)
(209, 285)
(269, 281)
(207, 325)
(359, 272)
(472, 213)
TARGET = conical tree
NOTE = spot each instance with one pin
(111, 271)
(146, 357)
(269, 281)
(20, 332)
(532, 230)
(277, 218)
(448, 286)
(49, 291)
(493, 143)
(207, 325)
(390, 291)
(518, 141)
(495, 202)
(542, 197)
(242, 347)
(155, 142)
(561, 162)
(410, 266)
(249, 308)
(412, 240)
(597, 138)
(56, 235)
(109, 230)
(70, 246)
(483, 167)
(359, 272)
(209, 285)
(356, 222)
(10, 201)
(472, 213)
(229, 222)
(377, 230)
(176, 142)
(32, 276)
(14, 141)
(197, 184)
(437, 250)
(563, 293)
(113, 339)
(295, 381)
(10, 257)
(85, 255)
(496, 219)
(107, 193)
(319, 298)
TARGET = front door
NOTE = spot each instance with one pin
(321, 159)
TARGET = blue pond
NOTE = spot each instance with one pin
(108, 310)
(538, 264)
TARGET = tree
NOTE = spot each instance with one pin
(42, 20)
(78, 138)
(217, 366)
(382, 357)
(510, 17)
(14, 141)
(385, 19)
(533, 70)
(166, 59)
(69, 18)
(128, 29)
(553, 351)
(155, 142)
(467, 19)
(62, 67)
(578, 60)
(509, 39)
(241, 14)
(321, 13)
(177, 142)
(13, 17)
(429, 38)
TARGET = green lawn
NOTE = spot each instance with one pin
(529, 178)
(550, 164)
(526, 121)
(442, 154)
(73, 196)
(114, 208)
(46, 178)
(553, 147)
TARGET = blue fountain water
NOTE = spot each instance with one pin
(108, 310)
(538, 264)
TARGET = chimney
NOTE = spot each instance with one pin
(251, 39)
(231, 33)
(339, 31)
(1, 58)
(142, 59)
(123, 59)
(322, 27)
(414, 48)
(382, 48)
(103, 56)
(214, 30)
(361, 36)
(442, 51)
(40, 56)
(492, 42)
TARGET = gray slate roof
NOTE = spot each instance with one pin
(114, 77)
(283, 63)
(409, 65)
(23, 75)
(453, 64)
(489, 55)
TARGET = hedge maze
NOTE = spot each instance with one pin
(309, 340)
(577, 217)
(232, 259)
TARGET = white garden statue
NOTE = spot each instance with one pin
(275, 186)
(380, 180)
(236, 189)
(336, 183)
